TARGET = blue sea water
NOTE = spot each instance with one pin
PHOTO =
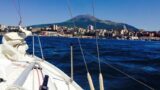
(140, 59)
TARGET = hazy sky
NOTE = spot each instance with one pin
(139, 13)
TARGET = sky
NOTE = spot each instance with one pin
(143, 14)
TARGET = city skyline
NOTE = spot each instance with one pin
(139, 13)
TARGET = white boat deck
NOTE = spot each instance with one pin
(11, 71)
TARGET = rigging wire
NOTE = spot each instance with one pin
(131, 77)
(40, 46)
(18, 10)
(33, 46)
(17, 6)
(98, 55)
(97, 45)
(79, 42)
(101, 83)
(122, 72)
(88, 74)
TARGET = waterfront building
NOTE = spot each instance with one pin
(54, 27)
(152, 34)
(104, 32)
(124, 31)
(90, 27)
(12, 28)
(35, 29)
(2, 27)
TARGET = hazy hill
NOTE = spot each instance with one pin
(85, 20)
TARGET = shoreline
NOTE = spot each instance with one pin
(103, 38)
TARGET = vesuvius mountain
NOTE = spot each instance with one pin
(84, 20)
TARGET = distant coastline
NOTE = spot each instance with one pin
(85, 28)
(90, 32)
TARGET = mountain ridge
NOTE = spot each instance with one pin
(84, 20)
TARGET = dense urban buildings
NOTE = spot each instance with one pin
(89, 32)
